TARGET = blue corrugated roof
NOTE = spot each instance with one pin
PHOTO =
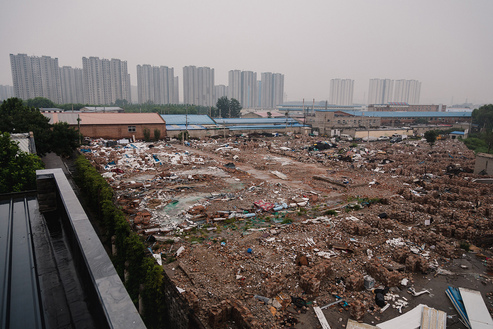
(406, 114)
(247, 121)
(457, 133)
(184, 127)
(255, 127)
(191, 119)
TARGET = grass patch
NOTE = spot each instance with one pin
(287, 221)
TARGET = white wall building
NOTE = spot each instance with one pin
(155, 84)
(248, 97)
(272, 90)
(6, 92)
(220, 91)
(234, 84)
(341, 91)
(72, 85)
(36, 77)
(407, 91)
(198, 86)
(105, 81)
(380, 91)
(383, 91)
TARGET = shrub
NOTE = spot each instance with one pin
(147, 134)
(157, 134)
(131, 250)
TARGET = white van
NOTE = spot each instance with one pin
(346, 137)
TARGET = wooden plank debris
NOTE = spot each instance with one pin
(321, 317)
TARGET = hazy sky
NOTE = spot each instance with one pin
(445, 44)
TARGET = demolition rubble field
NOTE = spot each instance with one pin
(255, 231)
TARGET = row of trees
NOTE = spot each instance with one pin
(225, 108)
(17, 168)
(16, 117)
(482, 141)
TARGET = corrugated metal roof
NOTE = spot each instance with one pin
(259, 121)
(104, 118)
(256, 127)
(101, 108)
(265, 114)
(191, 119)
(19, 290)
(26, 143)
(433, 319)
(405, 114)
(184, 127)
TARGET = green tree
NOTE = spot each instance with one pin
(40, 102)
(223, 107)
(64, 139)
(121, 102)
(487, 136)
(17, 168)
(228, 108)
(147, 134)
(157, 134)
(483, 117)
(235, 108)
(17, 118)
(431, 137)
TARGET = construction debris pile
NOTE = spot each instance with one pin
(255, 232)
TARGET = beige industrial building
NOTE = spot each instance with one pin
(484, 164)
(112, 125)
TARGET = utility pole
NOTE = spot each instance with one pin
(78, 127)
(304, 117)
(186, 125)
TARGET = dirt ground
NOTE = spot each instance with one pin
(249, 227)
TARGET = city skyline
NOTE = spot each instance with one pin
(160, 86)
(103, 81)
(449, 51)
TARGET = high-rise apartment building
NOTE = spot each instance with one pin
(155, 84)
(176, 91)
(380, 91)
(243, 87)
(234, 84)
(6, 92)
(407, 91)
(272, 86)
(220, 91)
(198, 86)
(248, 89)
(341, 91)
(72, 85)
(36, 77)
(105, 81)
(383, 91)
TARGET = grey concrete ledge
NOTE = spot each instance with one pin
(119, 309)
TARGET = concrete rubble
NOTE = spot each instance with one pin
(255, 229)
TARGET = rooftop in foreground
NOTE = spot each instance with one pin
(54, 270)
